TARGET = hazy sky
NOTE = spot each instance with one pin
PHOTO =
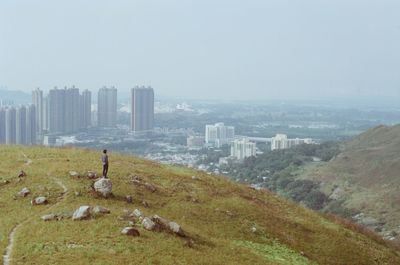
(232, 49)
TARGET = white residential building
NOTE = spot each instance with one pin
(219, 134)
(281, 141)
(242, 148)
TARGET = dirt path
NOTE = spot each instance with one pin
(11, 236)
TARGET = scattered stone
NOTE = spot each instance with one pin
(104, 187)
(253, 229)
(131, 223)
(24, 192)
(128, 216)
(49, 217)
(74, 174)
(5, 182)
(39, 201)
(150, 187)
(175, 228)
(73, 245)
(369, 221)
(137, 213)
(77, 193)
(148, 224)
(164, 224)
(129, 199)
(145, 204)
(136, 180)
(161, 222)
(337, 194)
(100, 210)
(91, 175)
(195, 178)
(130, 231)
(21, 174)
(81, 213)
(189, 243)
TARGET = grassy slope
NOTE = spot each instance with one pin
(368, 170)
(220, 220)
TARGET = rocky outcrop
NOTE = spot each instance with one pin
(104, 187)
(166, 225)
(81, 213)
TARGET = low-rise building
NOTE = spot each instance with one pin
(281, 141)
(195, 141)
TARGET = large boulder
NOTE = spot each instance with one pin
(104, 187)
(39, 200)
(81, 213)
(130, 231)
(24, 192)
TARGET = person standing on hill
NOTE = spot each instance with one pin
(104, 160)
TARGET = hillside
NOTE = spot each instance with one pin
(365, 176)
(223, 222)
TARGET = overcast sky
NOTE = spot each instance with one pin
(208, 49)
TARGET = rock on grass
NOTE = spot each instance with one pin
(81, 213)
(130, 231)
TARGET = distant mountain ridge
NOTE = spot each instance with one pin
(15, 96)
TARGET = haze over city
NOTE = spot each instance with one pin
(226, 49)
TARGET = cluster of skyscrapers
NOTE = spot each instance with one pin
(142, 108)
(62, 111)
(67, 111)
(18, 125)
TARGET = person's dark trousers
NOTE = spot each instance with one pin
(105, 170)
